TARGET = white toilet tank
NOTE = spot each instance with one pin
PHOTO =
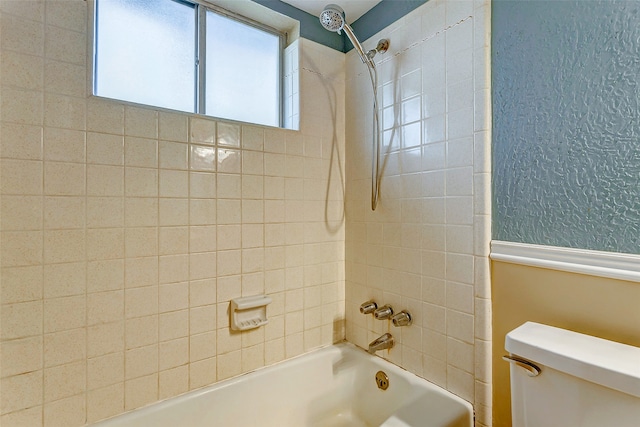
(584, 381)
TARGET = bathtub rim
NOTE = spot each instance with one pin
(336, 349)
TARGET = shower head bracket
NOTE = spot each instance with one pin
(382, 47)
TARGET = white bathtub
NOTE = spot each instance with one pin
(331, 387)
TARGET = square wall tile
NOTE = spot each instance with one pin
(21, 391)
(141, 122)
(22, 107)
(22, 356)
(70, 411)
(105, 402)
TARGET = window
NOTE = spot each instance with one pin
(188, 57)
(248, 70)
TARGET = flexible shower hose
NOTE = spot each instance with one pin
(375, 158)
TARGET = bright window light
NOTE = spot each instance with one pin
(145, 52)
(243, 69)
(184, 56)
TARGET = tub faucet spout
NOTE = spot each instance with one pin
(383, 342)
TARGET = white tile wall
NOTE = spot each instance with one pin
(425, 248)
(127, 230)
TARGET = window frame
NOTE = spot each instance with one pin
(200, 58)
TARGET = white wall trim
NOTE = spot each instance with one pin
(595, 263)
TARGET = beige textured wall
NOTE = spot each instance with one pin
(605, 308)
(126, 231)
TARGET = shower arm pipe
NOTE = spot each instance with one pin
(357, 46)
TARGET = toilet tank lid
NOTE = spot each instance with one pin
(608, 363)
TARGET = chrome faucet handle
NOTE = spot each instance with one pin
(402, 319)
(368, 307)
(383, 312)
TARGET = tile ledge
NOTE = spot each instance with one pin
(594, 263)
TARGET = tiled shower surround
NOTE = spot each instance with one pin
(425, 248)
(125, 230)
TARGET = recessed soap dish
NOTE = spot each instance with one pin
(249, 312)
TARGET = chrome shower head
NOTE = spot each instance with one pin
(333, 18)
